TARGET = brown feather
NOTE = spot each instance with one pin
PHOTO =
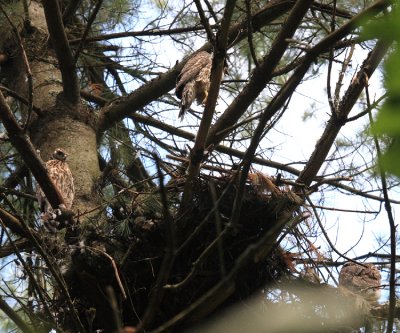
(362, 279)
(194, 81)
(62, 178)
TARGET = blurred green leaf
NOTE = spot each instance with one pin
(388, 120)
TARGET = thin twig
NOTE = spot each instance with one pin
(332, 246)
(87, 29)
(392, 224)
(339, 82)
(218, 227)
(158, 292)
(204, 22)
(250, 32)
(115, 268)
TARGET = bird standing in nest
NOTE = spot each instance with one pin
(193, 81)
(61, 176)
(362, 279)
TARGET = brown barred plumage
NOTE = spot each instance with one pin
(194, 81)
(364, 280)
(61, 176)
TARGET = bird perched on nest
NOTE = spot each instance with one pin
(193, 81)
(362, 279)
(61, 176)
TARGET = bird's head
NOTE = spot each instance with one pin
(60, 154)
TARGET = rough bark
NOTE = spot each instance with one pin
(63, 124)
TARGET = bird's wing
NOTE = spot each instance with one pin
(191, 69)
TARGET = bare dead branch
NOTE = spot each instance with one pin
(338, 119)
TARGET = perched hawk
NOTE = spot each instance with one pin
(362, 279)
(193, 81)
(61, 176)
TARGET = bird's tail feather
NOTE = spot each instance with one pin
(182, 112)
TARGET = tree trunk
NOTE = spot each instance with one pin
(61, 124)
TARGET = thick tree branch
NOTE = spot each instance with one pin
(293, 21)
(217, 70)
(13, 223)
(22, 143)
(338, 119)
(262, 74)
(63, 51)
(14, 317)
(165, 82)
